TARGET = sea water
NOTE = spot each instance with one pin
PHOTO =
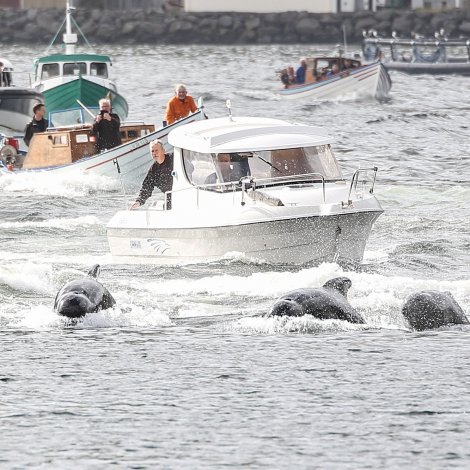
(185, 372)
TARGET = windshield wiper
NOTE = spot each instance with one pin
(269, 163)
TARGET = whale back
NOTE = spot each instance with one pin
(432, 309)
(327, 302)
(85, 295)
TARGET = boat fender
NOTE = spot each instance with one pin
(8, 154)
(265, 198)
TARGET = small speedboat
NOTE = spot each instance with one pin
(338, 78)
(264, 188)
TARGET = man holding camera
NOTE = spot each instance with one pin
(106, 127)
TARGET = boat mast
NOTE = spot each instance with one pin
(70, 39)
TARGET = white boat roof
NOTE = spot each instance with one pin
(244, 134)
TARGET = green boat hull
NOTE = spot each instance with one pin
(65, 96)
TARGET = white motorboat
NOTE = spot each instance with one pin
(265, 188)
(338, 78)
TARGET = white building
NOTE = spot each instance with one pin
(279, 6)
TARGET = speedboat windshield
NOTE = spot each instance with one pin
(271, 166)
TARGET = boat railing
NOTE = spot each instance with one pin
(248, 182)
(253, 183)
(360, 181)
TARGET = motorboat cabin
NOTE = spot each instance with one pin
(262, 187)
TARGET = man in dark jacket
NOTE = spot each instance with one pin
(106, 127)
(159, 175)
(38, 123)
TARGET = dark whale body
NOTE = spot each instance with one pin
(81, 296)
(327, 302)
(432, 309)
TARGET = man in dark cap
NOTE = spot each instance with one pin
(38, 123)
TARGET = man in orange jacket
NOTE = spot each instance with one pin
(180, 105)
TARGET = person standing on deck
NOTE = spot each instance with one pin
(106, 127)
(301, 71)
(159, 175)
(38, 123)
(180, 105)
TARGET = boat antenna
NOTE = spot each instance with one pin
(228, 103)
(344, 40)
(115, 161)
(70, 39)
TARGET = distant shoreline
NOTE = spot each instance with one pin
(143, 27)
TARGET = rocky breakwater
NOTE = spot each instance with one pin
(139, 26)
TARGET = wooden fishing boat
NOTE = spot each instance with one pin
(71, 149)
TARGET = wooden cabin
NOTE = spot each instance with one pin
(64, 145)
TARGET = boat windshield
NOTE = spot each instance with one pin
(267, 165)
(99, 69)
(50, 70)
(75, 68)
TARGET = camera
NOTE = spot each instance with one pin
(103, 112)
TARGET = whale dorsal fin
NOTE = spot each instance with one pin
(95, 271)
(341, 284)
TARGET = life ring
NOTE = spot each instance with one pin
(8, 154)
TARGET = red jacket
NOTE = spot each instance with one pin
(177, 109)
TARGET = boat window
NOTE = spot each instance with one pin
(99, 69)
(198, 166)
(216, 168)
(75, 68)
(296, 161)
(50, 70)
(60, 139)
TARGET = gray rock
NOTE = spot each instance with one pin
(465, 27)
(225, 21)
(307, 26)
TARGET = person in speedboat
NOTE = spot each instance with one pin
(159, 175)
(300, 72)
(37, 124)
(180, 105)
(106, 127)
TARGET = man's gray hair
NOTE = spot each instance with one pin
(104, 101)
(180, 85)
(155, 142)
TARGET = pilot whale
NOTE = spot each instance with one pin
(82, 296)
(432, 309)
(327, 302)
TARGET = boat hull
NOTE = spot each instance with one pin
(309, 239)
(64, 96)
(368, 81)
